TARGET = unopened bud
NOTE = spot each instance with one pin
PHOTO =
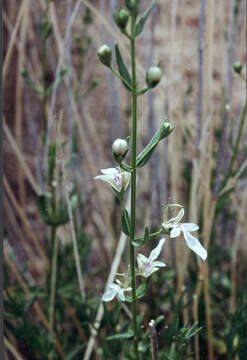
(105, 55)
(120, 147)
(166, 129)
(238, 66)
(153, 76)
(132, 5)
(121, 18)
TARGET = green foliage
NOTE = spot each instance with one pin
(143, 19)
(236, 339)
(123, 69)
(164, 130)
(125, 222)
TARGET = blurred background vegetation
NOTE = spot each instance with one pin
(62, 229)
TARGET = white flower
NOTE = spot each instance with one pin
(147, 266)
(115, 290)
(176, 228)
(116, 177)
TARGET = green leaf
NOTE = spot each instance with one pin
(45, 29)
(126, 335)
(122, 68)
(164, 130)
(51, 161)
(141, 241)
(141, 23)
(43, 209)
(125, 222)
(140, 292)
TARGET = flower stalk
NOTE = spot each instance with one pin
(120, 177)
(133, 182)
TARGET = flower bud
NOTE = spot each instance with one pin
(105, 55)
(121, 18)
(119, 149)
(132, 5)
(153, 76)
(238, 66)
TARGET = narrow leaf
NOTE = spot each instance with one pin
(141, 241)
(125, 222)
(164, 130)
(126, 335)
(122, 68)
(140, 292)
(144, 17)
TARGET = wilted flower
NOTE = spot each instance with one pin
(176, 227)
(147, 266)
(116, 177)
(115, 290)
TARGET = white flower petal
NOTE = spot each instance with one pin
(148, 273)
(128, 289)
(141, 261)
(109, 295)
(175, 220)
(114, 287)
(190, 226)
(156, 251)
(158, 264)
(194, 244)
(121, 295)
(175, 232)
(109, 171)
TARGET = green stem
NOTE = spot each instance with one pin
(151, 235)
(54, 242)
(44, 99)
(236, 147)
(133, 185)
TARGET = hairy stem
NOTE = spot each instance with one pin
(133, 183)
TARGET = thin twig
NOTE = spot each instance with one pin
(154, 340)
(228, 90)
(71, 221)
(12, 349)
(200, 58)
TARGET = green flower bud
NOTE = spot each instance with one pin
(153, 76)
(121, 18)
(238, 66)
(105, 55)
(120, 147)
(133, 6)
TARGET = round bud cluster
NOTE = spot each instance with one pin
(105, 55)
(120, 147)
(153, 76)
(121, 18)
